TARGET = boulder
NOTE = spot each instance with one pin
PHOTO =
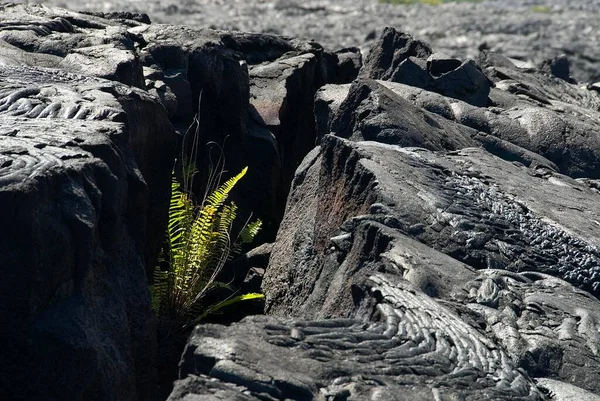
(399, 57)
(544, 115)
(203, 72)
(349, 195)
(86, 167)
(83, 43)
(388, 55)
(48, 37)
(414, 212)
(345, 239)
(422, 309)
(344, 180)
(372, 112)
(106, 61)
(75, 212)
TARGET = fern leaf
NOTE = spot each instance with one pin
(250, 231)
(228, 302)
(198, 245)
(219, 195)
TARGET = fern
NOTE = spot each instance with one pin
(198, 244)
(227, 302)
(250, 231)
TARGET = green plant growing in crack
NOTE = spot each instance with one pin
(199, 243)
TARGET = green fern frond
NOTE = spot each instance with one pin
(219, 195)
(198, 243)
(240, 298)
(250, 231)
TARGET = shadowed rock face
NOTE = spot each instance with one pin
(37, 34)
(254, 95)
(236, 82)
(84, 183)
(74, 293)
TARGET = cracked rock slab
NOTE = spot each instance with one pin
(74, 207)
(480, 212)
(74, 154)
(355, 360)
(408, 316)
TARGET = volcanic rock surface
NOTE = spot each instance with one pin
(74, 222)
(90, 109)
(84, 180)
(531, 31)
(441, 241)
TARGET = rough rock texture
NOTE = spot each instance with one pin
(432, 248)
(543, 224)
(328, 100)
(399, 57)
(246, 271)
(463, 225)
(532, 31)
(542, 114)
(440, 243)
(372, 112)
(254, 95)
(353, 360)
(102, 189)
(75, 206)
(84, 185)
(282, 94)
(46, 37)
